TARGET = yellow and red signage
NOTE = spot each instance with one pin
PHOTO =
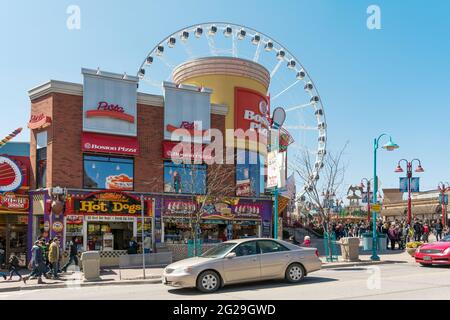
(108, 203)
(12, 202)
(252, 110)
(39, 121)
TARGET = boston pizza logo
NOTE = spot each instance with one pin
(87, 145)
(10, 175)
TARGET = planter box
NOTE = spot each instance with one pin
(411, 251)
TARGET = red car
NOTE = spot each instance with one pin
(434, 253)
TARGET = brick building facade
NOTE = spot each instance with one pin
(57, 160)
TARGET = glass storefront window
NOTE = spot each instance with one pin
(104, 236)
(41, 159)
(109, 173)
(249, 174)
(184, 178)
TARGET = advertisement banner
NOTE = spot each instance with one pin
(10, 175)
(189, 108)
(252, 110)
(404, 184)
(365, 199)
(110, 203)
(276, 169)
(102, 143)
(174, 150)
(109, 103)
(11, 202)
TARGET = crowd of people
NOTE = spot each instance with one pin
(397, 232)
(46, 257)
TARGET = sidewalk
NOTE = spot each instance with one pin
(396, 256)
(74, 279)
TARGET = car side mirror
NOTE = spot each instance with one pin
(231, 255)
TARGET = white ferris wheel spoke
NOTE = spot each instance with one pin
(300, 127)
(188, 49)
(279, 94)
(275, 69)
(257, 52)
(302, 106)
(166, 62)
(234, 45)
(152, 83)
(212, 45)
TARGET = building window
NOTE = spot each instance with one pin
(249, 174)
(184, 178)
(41, 160)
(109, 173)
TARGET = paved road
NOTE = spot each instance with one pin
(389, 281)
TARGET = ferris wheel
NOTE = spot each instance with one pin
(291, 86)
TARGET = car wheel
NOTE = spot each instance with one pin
(208, 281)
(295, 273)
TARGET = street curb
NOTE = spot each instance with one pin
(356, 264)
(83, 284)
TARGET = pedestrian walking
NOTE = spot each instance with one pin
(36, 263)
(392, 235)
(132, 246)
(54, 257)
(417, 231)
(306, 241)
(439, 228)
(73, 254)
(2, 256)
(14, 266)
(426, 232)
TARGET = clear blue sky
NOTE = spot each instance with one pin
(393, 80)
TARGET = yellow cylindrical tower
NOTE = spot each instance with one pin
(237, 83)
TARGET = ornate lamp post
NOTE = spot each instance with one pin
(367, 185)
(409, 176)
(443, 188)
(390, 146)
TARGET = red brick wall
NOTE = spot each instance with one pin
(64, 156)
(67, 159)
(41, 105)
(149, 170)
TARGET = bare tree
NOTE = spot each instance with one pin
(321, 191)
(206, 186)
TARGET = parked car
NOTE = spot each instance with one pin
(434, 253)
(243, 260)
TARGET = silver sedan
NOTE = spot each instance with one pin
(243, 260)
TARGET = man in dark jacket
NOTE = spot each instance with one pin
(439, 228)
(14, 266)
(37, 263)
(73, 254)
(417, 231)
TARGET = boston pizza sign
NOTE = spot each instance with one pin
(109, 203)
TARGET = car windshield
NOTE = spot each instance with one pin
(218, 250)
(446, 239)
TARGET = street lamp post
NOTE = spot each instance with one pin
(443, 188)
(368, 195)
(390, 146)
(409, 176)
(278, 117)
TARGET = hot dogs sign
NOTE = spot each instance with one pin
(110, 203)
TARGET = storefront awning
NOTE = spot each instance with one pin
(427, 209)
